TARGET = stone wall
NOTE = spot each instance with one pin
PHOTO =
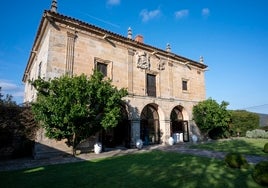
(68, 46)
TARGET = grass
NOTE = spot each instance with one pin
(246, 146)
(148, 169)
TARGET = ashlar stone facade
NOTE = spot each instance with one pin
(163, 87)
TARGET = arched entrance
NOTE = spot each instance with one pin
(119, 135)
(178, 126)
(149, 125)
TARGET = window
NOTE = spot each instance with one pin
(102, 67)
(151, 85)
(184, 85)
(39, 69)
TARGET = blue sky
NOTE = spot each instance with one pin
(232, 36)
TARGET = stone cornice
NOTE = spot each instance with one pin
(56, 18)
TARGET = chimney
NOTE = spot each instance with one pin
(168, 48)
(201, 59)
(129, 33)
(139, 38)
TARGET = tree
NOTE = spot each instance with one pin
(243, 121)
(8, 100)
(75, 108)
(210, 115)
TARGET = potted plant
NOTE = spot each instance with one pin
(97, 148)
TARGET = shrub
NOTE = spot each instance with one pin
(17, 131)
(242, 121)
(257, 133)
(219, 133)
(260, 173)
(265, 149)
(236, 160)
(264, 128)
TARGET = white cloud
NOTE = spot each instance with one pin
(113, 2)
(181, 13)
(205, 12)
(8, 87)
(148, 15)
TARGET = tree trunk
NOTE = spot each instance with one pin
(74, 144)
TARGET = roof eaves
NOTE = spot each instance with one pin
(124, 39)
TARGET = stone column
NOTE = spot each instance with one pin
(167, 132)
(70, 53)
(130, 62)
(170, 72)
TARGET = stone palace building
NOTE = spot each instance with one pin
(162, 86)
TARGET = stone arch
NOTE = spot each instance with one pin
(150, 124)
(119, 135)
(179, 128)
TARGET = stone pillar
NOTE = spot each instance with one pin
(70, 53)
(130, 62)
(166, 134)
(170, 82)
(194, 130)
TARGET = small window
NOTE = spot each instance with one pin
(102, 67)
(184, 85)
(39, 69)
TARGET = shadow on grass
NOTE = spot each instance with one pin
(244, 146)
(147, 169)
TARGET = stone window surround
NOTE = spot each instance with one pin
(184, 80)
(108, 63)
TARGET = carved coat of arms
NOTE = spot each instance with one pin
(143, 60)
(161, 64)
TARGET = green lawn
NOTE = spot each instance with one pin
(245, 146)
(148, 169)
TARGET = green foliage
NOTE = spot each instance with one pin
(260, 173)
(236, 160)
(209, 114)
(265, 148)
(243, 121)
(264, 128)
(219, 133)
(257, 133)
(77, 107)
(17, 131)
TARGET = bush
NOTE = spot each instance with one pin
(265, 148)
(243, 121)
(264, 128)
(260, 173)
(17, 132)
(218, 133)
(257, 133)
(236, 160)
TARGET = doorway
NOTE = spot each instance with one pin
(179, 128)
(149, 125)
(118, 136)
